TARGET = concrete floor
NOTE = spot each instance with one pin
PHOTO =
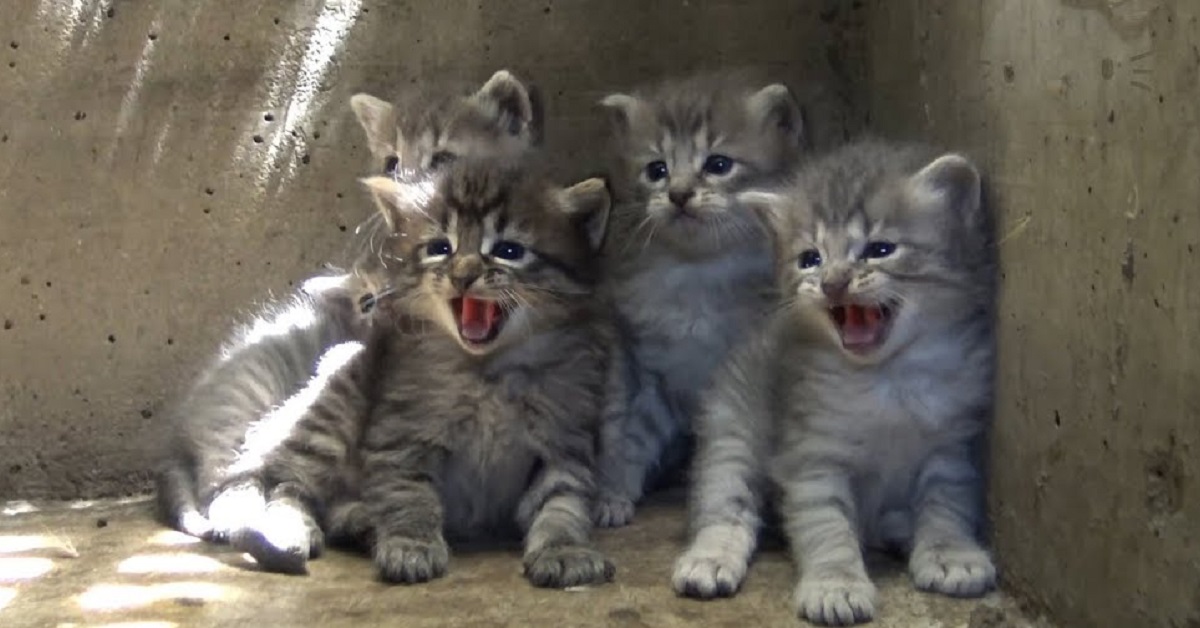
(111, 564)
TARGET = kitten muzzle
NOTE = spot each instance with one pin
(479, 320)
(863, 328)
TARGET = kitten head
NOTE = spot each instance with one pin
(687, 148)
(880, 243)
(489, 251)
(427, 130)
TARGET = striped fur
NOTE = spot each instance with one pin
(867, 448)
(471, 440)
(687, 268)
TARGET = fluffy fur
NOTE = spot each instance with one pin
(487, 427)
(255, 450)
(868, 417)
(428, 128)
(688, 268)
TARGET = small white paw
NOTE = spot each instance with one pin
(954, 571)
(704, 575)
(612, 511)
(835, 600)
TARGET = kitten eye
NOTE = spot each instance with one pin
(442, 158)
(438, 248)
(390, 164)
(510, 251)
(718, 164)
(656, 170)
(809, 259)
(878, 249)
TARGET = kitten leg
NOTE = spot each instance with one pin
(405, 509)
(235, 509)
(725, 505)
(175, 489)
(554, 511)
(286, 536)
(349, 523)
(819, 514)
(947, 557)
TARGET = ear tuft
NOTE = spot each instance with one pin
(776, 109)
(517, 111)
(591, 202)
(949, 183)
(378, 119)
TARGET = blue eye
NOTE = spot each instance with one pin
(510, 251)
(656, 170)
(809, 259)
(438, 248)
(718, 164)
(876, 250)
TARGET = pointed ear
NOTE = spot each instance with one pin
(591, 203)
(621, 109)
(516, 110)
(777, 110)
(399, 201)
(378, 119)
(950, 183)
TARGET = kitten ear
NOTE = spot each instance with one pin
(378, 119)
(591, 202)
(397, 200)
(621, 108)
(517, 110)
(777, 110)
(949, 183)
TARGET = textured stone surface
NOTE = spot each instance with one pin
(132, 570)
(1085, 115)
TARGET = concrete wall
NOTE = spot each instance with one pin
(163, 163)
(1085, 113)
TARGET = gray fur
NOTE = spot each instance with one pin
(686, 283)
(470, 440)
(425, 128)
(867, 447)
(255, 449)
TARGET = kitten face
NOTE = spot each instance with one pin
(878, 243)
(489, 253)
(688, 148)
(428, 131)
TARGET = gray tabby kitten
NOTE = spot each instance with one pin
(688, 267)
(431, 127)
(490, 398)
(255, 449)
(866, 393)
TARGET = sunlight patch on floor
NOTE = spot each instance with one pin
(169, 563)
(172, 537)
(7, 595)
(24, 568)
(108, 597)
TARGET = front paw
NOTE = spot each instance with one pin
(611, 510)
(835, 599)
(283, 540)
(705, 576)
(408, 561)
(568, 566)
(954, 571)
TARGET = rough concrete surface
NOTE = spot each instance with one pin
(109, 563)
(1085, 114)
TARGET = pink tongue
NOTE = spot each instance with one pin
(477, 318)
(861, 326)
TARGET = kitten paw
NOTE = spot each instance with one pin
(835, 600)
(408, 561)
(704, 575)
(612, 511)
(954, 571)
(568, 566)
(283, 540)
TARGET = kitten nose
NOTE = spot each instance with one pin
(835, 289)
(464, 281)
(680, 198)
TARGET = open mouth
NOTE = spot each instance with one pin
(479, 320)
(863, 328)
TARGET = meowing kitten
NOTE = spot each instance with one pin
(431, 127)
(688, 268)
(490, 397)
(255, 449)
(866, 392)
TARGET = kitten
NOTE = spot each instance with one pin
(490, 398)
(431, 127)
(688, 267)
(866, 393)
(255, 449)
